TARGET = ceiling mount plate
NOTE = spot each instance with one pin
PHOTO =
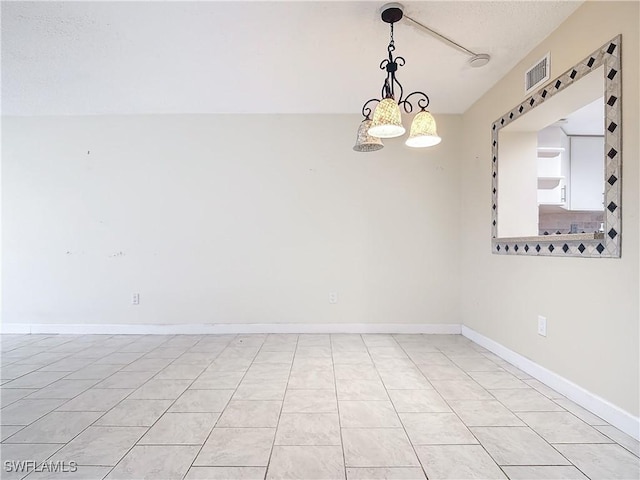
(391, 12)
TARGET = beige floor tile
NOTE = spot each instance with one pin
(308, 429)
(424, 357)
(314, 340)
(474, 363)
(413, 401)
(7, 431)
(582, 413)
(155, 462)
(543, 389)
(55, 427)
(485, 413)
(19, 453)
(404, 379)
(130, 380)
(210, 380)
(368, 414)
(241, 413)
(65, 389)
(94, 372)
(517, 446)
(306, 462)
(361, 390)
(562, 427)
(358, 371)
(226, 473)
(602, 462)
(461, 390)
(443, 372)
(161, 390)
(377, 447)
(100, 446)
(348, 357)
(180, 429)
(621, 438)
(523, 400)
(202, 401)
(436, 429)
(78, 473)
(544, 473)
(10, 395)
(179, 372)
(26, 411)
(493, 380)
(310, 401)
(285, 357)
(311, 378)
(397, 473)
(268, 390)
(458, 462)
(237, 447)
(134, 413)
(96, 400)
(37, 379)
(313, 352)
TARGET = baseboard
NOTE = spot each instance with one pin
(603, 408)
(229, 328)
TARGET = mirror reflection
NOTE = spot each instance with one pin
(551, 173)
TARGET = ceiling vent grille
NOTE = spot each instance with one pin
(537, 74)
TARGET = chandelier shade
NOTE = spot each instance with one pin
(364, 141)
(423, 131)
(387, 121)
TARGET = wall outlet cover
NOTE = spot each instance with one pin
(542, 325)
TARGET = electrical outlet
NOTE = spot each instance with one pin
(542, 325)
(333, 297)
(135, 299)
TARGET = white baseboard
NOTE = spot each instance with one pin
(229, 328)
(603, 408)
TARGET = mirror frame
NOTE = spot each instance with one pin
(607, 243)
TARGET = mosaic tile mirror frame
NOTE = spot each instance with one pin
(607, 243)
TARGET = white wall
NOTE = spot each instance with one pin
(226, 219)
(591, 305)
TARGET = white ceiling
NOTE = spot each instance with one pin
(66, 58)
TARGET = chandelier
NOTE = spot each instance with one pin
(387, 121)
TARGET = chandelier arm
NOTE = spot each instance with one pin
(366, 111)
(395, 80)
(423, 102)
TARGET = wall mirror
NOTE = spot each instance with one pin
(556, 172)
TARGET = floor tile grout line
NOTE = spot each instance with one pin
(459, 418)
(512, 412)
(335, 384)
(275, 433)
(394, 407)
(87, 427)
(227, 404)
(637, 454)
(61, 445)
(118, 403)
(166, 410)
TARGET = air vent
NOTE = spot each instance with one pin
(537, 74)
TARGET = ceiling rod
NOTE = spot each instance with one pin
(476, 60)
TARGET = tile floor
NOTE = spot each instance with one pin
(290, 406)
